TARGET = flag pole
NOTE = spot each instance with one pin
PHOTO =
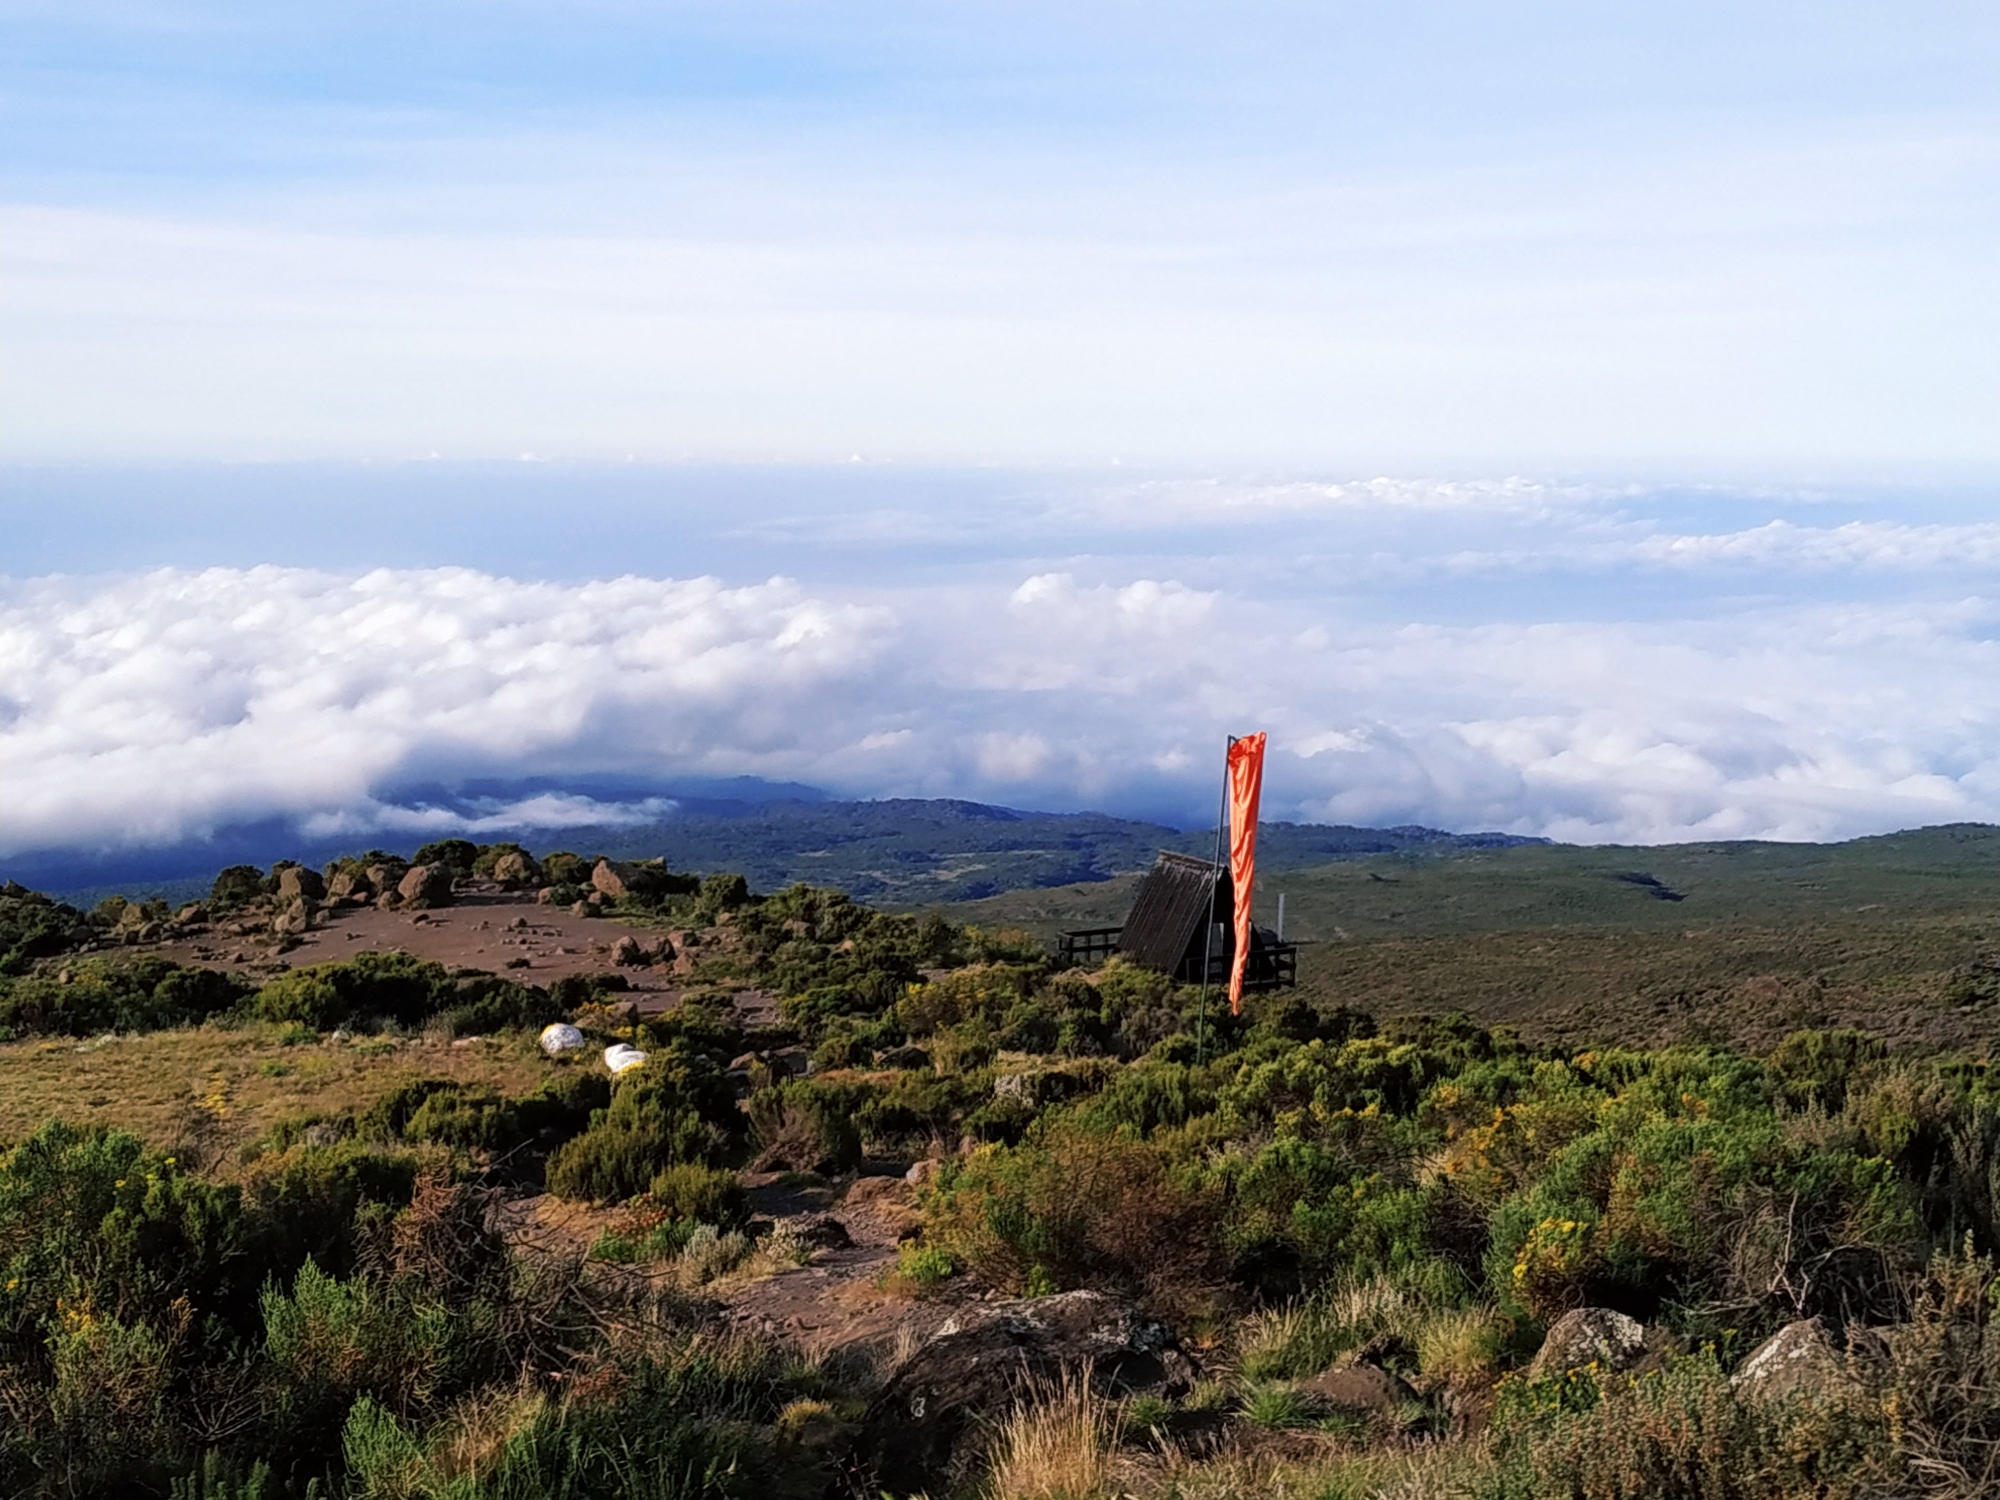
(1208, 939)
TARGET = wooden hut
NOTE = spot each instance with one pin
(1183, 913)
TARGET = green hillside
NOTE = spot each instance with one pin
(1744, 941)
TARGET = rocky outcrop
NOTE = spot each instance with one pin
(297, 883)
(811, 1232)
(610, 879)
(352, 887)
(1806, 1359)
(425, 886)
(927, 1421)
(1591, 1336)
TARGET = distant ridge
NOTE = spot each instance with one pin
(896, 850)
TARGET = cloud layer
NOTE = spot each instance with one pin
(150, 707)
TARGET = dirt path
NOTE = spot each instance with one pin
(842, 1299)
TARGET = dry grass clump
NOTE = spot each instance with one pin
(1056, 1444)
(1290, 1343)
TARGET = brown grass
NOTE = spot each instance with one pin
(230, 1087)
(1056, 1444)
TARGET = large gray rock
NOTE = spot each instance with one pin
(1806, 1358)
(1586, 1336)
(923, 1430)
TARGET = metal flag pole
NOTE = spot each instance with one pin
(1208, 941)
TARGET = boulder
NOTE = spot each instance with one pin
(383, 878)
(610, 879)
(1805, 1358)
(628, 953)
(351, 888)
(294, 919)
(922, 1172)
(789, 1062)
(298, 883)
(425, 886)
(546, 896)
(1590, 1335)
(905, 1057)
(923, 1430)
(1362, 1387)
(814, 1232)
(514, 870)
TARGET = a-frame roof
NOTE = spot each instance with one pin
(1177, 897)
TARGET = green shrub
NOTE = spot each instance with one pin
(459, 855)
(924, 1266)
(701, 1194)
(237, 886)
(802, 1126)
(649, 1126)
(129, 995)
(1091, 1210)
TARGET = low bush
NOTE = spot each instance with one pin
(1085, 1210)
(649, 1126)
(805, 1127)
(701, 1194)
(132, 995)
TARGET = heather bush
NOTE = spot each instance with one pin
(97, 995)
(649, 1125)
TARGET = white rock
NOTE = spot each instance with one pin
(621, 1057)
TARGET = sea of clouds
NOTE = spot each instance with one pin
(1584, 664)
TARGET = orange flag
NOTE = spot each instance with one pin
(1246, 789)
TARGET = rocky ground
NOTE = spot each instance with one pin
(486, 926)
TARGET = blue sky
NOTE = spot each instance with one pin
(1572, 419)
(1691, 240)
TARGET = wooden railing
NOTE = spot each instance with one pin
(1088, 945)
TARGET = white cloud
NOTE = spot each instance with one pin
(152, 707)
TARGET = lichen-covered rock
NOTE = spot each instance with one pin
(1590, 1336)
(1806, 1358)
(926, 1421)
